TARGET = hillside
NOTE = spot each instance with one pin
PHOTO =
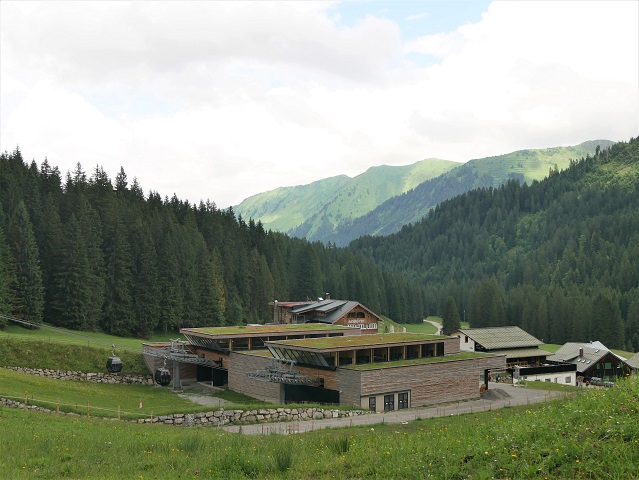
(383, 199)
(325, 203)
(558, 258)
(523, 166)
(90, 254)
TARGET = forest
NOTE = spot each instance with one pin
(558, 257)
(89, 253)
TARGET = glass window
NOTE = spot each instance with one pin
(389, 402)
(567, 380)
(372, 403)
(402, 400)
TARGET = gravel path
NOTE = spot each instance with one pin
(515, 396)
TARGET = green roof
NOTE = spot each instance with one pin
(364, 340)
(264, 329)
(420, 361)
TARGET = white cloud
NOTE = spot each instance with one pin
(222, 100)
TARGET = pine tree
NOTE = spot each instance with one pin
(71, 305)
(27, 288)
(450, 318)
(6, 277)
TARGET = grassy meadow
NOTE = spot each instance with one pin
(593, 435)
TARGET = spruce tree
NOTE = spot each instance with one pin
(27, 287)
(450, 318)
(71, 305)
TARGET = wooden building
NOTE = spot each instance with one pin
(347, 313)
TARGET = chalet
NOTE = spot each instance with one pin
(520, 347)
(327, 311)
(633, 363)
(593, 360)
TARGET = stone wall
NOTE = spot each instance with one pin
(86, 377)
(222, 417)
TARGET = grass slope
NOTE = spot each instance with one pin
(525, 165)
(328, 201)
(593, 435)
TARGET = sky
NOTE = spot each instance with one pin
(223, 100)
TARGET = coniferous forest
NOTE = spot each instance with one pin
(87, 252)
(560, 257)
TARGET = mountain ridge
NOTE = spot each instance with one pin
(334, 212)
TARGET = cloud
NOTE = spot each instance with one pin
(222, 100)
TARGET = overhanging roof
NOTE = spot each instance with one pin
(522, 352)
(357, 341)
(590, 354)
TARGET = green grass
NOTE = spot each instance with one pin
(423, 327)
(594, 435)
(103, 400)
(417, 361)
(88, 339)
(24, 351)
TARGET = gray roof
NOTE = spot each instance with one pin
(633, 362)
(592, 353)
(493, 338)
(332, 310)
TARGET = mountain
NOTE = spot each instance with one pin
(322, 205)
(523, 165)
(383, 199)
(557, 257)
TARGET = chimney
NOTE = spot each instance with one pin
(581, 352)
(327, 296)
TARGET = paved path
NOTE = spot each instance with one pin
(517, 396)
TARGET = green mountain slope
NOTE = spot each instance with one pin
(557, 257)
(522, 165)
(332, 200)
(383, 199)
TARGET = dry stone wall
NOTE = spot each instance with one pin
(220, 417)
(86, 377)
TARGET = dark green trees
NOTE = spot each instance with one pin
(27, 287)
(450, 317)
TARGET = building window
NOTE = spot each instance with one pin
(372, 403)
(466, 339)
(389, 402)
(402, 400)
(567, 380)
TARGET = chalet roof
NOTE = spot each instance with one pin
(327, 311)
(592, 353)
(633, 362)
(494, 338)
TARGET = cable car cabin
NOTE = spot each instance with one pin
(114, 365)
(162, 377)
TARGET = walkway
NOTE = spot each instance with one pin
(517, 396)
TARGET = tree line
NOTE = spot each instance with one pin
(559, 257)
(90, 253)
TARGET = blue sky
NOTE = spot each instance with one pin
(414, 18)
(222, 100)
